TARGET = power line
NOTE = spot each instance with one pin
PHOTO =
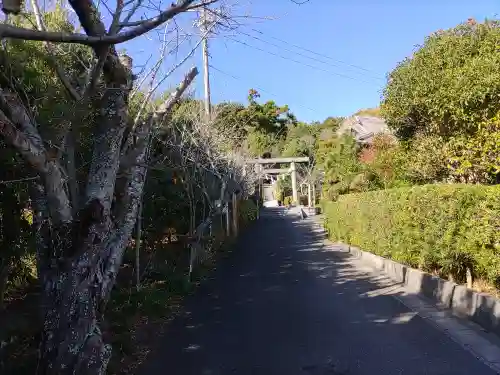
(315, 53)
(298, 61)
(304, 55)
(258, 88)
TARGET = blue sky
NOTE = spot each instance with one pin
(356, 42)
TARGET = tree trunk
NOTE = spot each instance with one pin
(235, 214)
(79, 252)
(78, 256)
(10, 229)
(72, 302)
(4, 277)
(79, 261)
(77, 286)
(138, 247)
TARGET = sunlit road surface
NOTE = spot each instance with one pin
(283, 304)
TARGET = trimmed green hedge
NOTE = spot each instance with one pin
(438, 228)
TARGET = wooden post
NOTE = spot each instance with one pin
(228, 220)
(138, 246)
(309, 195)
(235, 215)
(258, 199)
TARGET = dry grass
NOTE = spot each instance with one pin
(482, 286)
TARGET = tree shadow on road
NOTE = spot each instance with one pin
(288, 302)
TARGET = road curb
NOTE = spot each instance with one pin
(479, 308)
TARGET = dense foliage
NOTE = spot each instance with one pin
(476, 158)
(438, 228)
(445, 99)
(247, 211)
(255, 128)
(442, 103)
(449, 85)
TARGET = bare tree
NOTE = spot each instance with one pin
(80, 249)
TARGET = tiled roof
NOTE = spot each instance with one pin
(364, 128)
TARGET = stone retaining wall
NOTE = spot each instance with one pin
(480, 308)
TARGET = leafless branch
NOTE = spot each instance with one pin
(51, 52)
(130, 14)
(19, 180)
(129, 187)
(86, 12)
(18, 129)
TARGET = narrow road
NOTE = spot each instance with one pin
(282, 304)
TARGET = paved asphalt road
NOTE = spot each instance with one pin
(282, 304)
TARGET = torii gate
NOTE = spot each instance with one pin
(292, 169)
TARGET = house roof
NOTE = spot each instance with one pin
(363, 128)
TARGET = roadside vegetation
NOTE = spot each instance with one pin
(428, 196)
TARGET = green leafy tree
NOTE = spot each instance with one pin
(234, 121)
(426, 159)
(449, 85)
(300, 140)
(476, 159)
(269, 117)
(340, 165)
(390, 162)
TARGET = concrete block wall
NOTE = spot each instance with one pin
(481, 308)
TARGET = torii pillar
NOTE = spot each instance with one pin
(293, 171)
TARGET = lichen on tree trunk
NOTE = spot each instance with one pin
(77, 255)
(79, 260)
(71, 341)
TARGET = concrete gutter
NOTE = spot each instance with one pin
(480, 308)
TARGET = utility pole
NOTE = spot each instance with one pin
(206, 73)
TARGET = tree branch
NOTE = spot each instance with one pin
(91, 23)
(16, 112)
(159, 116)
(17, 139)
(50, 49)
(127, 23)
(129, 187)
(33, 152)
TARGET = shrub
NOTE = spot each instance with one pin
(387, 164)
(304, 200)
(247, 210)
(437, 228)
(288, 200)
(364, 182)
(341, 160)
(449, 85)
(476, 159)
(426, 159)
